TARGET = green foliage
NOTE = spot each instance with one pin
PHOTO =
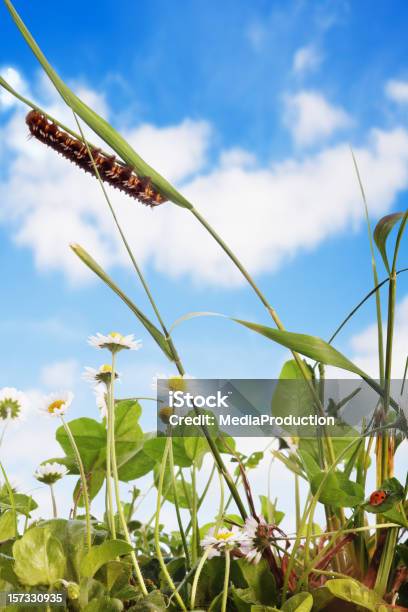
(39, 557)
(382, 232)
(102, 554)
(338, 491)
(351, 591)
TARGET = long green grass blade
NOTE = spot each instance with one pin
(97, 123)
(152, 329)
(309, 346)
(381, 233)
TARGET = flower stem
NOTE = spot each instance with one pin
(83, 481)
(53, 501)
(12, 500)
(157, 526)
(197, 577)
(226, 581)
(177, 506)
(109, 495)
(121, 513)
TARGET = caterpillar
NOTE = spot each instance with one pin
(109, 168)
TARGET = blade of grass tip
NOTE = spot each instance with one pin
(375, 274)
(97, 123)
(96, 268)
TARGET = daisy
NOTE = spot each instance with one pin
(12, 403)
(174, 382)
(115, 342)
(100, 397)
(102, 374)
(56, 404)
(257, 537)
(49, 473)
(224, 539)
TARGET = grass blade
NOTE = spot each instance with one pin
(152, 329)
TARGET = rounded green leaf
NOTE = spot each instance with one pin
(302, 602)
(102, 554)
(39, 558)
(338, 491)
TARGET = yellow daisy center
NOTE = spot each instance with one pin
(105, 369)
(55, 406)
(224, 536)
(116, 335)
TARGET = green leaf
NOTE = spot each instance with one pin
(309, 346)
(154, 448)
(90, 437)
(7, 526)
(260, 580)
(137, 466)
(338, 491)
(39, 558)
(148, 325)
(302, 602)
(95, 480)
(243, 599)
(184, 489)
(71, 535)
(128, 433)
(24, 504)
(96, 123)
(292, 396)
(154, 602)
(259, 608)
(381, 233)
(269, 510)
(107, 604)
(351, 591)
(99, 555)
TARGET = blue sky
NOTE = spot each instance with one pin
(249, 108)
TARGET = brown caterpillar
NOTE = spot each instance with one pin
(110, 169)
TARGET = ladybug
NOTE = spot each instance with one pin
(378, 497)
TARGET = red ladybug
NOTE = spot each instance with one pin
(378, 497)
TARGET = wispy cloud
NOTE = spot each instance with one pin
(397, 91)
(306, 59)
(311, 119)
(60, 374)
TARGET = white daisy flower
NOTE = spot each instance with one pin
(100, 397)
(257, 537)
(49, 473)
(102, 374)
(174, 382)
(115, 342)
(56, 404)
(224, 539)
(12, 403)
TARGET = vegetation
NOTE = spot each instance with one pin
(241, 560)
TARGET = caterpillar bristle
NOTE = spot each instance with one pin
(110, 170)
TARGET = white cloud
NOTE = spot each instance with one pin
(289, 206)
(306, 59)
(311, 118)
(397, 91)
(178, 150)
(61, 374)
(14, 79)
